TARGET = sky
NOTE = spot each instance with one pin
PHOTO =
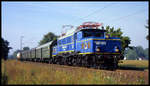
(33, 20)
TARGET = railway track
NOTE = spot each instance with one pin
(120, 68)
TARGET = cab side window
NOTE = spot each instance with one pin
(79, 35)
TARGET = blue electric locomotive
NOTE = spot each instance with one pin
(88, 46)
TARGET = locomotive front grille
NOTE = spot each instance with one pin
(108, 46)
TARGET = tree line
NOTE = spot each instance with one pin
(136, 53)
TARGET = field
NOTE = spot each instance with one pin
(17, 72)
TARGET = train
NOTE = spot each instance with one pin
(87, 46)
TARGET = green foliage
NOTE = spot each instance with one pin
(136, 52)
(147, 26)
(146, 53)
(140, 51)
(47, 38)
(131, 55)
(26, 48)
(5, 49)
(125, 40)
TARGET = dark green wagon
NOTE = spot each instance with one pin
(41, 53)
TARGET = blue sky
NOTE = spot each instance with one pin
(35, 19)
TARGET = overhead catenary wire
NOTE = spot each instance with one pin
(99, 10)
(129, 15)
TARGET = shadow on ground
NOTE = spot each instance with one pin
(132, 68)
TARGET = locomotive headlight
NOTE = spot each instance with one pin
(116, 49)
(97, 49)
(100, 42)
(107, 36)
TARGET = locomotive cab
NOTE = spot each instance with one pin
(93, 33)
(95, 41)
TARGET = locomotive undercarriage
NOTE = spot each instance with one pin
(75, 59)
(93, 61)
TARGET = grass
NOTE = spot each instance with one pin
(135, 64)
(17, 72)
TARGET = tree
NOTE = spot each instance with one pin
(131, 54)
(146, 53)
(146, 26)
(125, 40)
(26, 48)
(5, 49)
(136, 53)
(47, 38)
(140, 51)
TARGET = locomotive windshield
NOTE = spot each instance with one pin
(93, 33)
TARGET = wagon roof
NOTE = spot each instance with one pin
(44, 45)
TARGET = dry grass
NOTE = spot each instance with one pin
(143, 64)
(17, 72)
(135, 63)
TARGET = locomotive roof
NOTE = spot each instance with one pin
(67, 34)
(102, 30)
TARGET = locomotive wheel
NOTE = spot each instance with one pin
(64, 61)
(94, 65)
(83, 63)
(74, 61)
(60, 60)
(78, 61)
(70, 61)
(86, 62)
(56, 60)
(50, 61)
